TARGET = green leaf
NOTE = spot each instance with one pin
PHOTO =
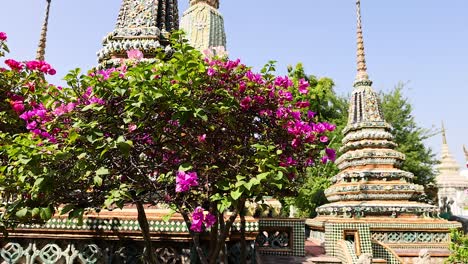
(263, 176)
(97, 181)
(46, 213)
(22, 213)
(102, 171)
(35, 212)
(236, 194)
(185, 167)
(66, 209)
(168, 216)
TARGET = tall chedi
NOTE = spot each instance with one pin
(371, 207)
(204, 24)
(143, 25)
(450, 183)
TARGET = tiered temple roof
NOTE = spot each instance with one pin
(204, 24)
(370, 182)
(142, 25)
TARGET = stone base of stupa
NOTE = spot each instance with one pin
(402, 239)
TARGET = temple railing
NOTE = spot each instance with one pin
(285, 237)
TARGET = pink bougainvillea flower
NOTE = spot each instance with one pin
(17, 106)
(132, 127)
(310, 114)
(303, 86)
(3, 36)
(14, 65)
(197, 220)
(41, 66)
(202, 138)
(186, 180)
(220, 51)
(135, 54)
(242, 86)
(208, 53)
(324, 139)
(331, 154)
(211, 72)
(210, 220)
(287, 162)
(329, 127)
(245, 103)
(302, 104)
(52, 72)
(284, 82)
(325, 159)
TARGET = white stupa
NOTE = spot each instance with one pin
(451, 183)
(464, 172)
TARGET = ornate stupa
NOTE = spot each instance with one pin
(371, 207)
(143, 25)
(204, 24)
(450, 182)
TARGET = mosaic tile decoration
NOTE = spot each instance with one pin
(335, 232)
(381, 252)
(411, 237)
(296, 228)
(63, 251)
(115, 224)
(346, 252)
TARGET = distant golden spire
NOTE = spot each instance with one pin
(40, 55)
(361, 56)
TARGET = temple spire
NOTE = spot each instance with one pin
(361, 56)
(204, 24)
(448, 165)
(444, 134)
(40, 55)
(466, 153)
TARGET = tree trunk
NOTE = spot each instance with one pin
(196, 239)
(225, 232)
(243, 244)
(143, 222)
(222, 254)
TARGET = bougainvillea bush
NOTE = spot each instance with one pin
(202, 134)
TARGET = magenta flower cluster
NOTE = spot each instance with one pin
(3, 36)
(199, 218)
(186, 180)
(36, 121)
(281, 100)
(40, 66)
(37, 117)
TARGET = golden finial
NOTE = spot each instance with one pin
(40, 55)
(361, 56)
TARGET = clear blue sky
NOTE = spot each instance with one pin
(423, 42)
